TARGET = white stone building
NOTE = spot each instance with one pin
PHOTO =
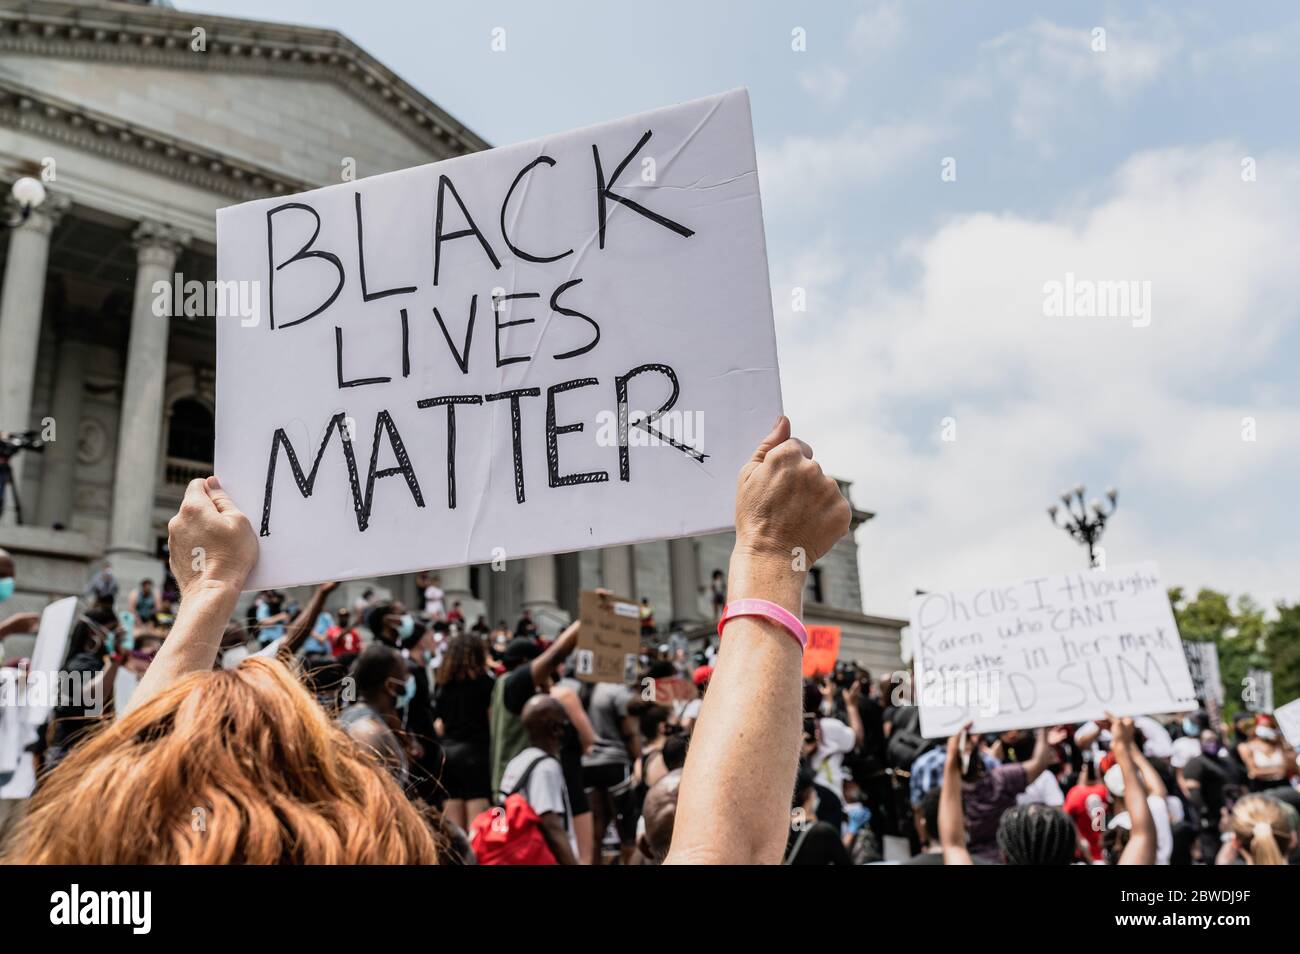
(142, 121)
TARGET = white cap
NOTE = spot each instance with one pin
(1184, 750)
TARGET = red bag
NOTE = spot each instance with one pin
(511, 833)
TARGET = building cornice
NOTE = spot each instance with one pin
(825, 611)
(33, 111)
(157, 36)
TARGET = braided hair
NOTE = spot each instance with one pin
(1036, 835)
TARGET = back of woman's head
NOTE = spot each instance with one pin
(1263, 829)
(465, 659)
(1036, 835)
(237, 766)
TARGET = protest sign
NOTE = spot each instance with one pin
(1288, 720)
(47, 657)
(609, 638)
(1257, 690)
(1048, 650)
(557, 345)
(1203, 664)
(822, 651)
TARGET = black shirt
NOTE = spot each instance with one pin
(1213, 777)
(463, 706)
(819, 845)
(519, 687)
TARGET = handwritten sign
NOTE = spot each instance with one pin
(1048, 650)
(1288, 720)
(822, 651)
(557, 345)
(1203, 664)
(609, 638)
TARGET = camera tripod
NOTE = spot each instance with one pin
(7, 484)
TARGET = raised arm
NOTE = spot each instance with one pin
(542, 667)
(1141, 847)
(303, 623)
(734, 802)
(1044, 756)
(209, 532)
(851, 696)
(952, 822)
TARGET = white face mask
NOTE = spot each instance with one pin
(1266, 733)
(233, 656)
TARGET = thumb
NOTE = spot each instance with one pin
(220, 499)
(779, 435)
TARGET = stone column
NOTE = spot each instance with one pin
(22, 301)
(618, 571)
(684, 565)
(455, 584)
(59, 468)
(539, 594)
(455, 589)
(139, 436)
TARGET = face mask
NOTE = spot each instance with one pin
(6, 588)
(1210, 748)
(1190, 727)
(408, 693)
(1265, 733)
(406, 627)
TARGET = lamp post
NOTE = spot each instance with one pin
(28, 194)
(1083, 523)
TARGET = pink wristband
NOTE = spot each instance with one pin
(770, 610)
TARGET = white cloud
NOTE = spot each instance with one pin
(1042, 402)
(803, 173)
(827, 83)
(1048, 67)
(877, 29)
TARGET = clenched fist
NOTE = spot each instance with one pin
(785, 506)
(210, 542)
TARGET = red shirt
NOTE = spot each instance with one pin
(343, 641)
(1086, 805)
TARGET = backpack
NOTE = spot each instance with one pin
(511, 833)
(905, 739)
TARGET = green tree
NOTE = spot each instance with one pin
(1284, 651)
(1241, 635)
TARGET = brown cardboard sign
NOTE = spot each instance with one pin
(609, 638)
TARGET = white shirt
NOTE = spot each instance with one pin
(433, 601)
(1044, 790)
(837, 740)
(546, 791)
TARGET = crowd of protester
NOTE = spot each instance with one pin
(378, 732)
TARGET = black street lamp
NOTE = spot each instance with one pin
(1078, 523)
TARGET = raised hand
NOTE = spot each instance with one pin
(785, 506)
(211, 543)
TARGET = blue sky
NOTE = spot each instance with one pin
(925, 296)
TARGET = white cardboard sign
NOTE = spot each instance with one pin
(1288, 720)
(49, 653)
(556, 345)
(1055, 649)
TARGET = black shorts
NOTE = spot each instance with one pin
(466, 773)
(602, 778)
(573, 783)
